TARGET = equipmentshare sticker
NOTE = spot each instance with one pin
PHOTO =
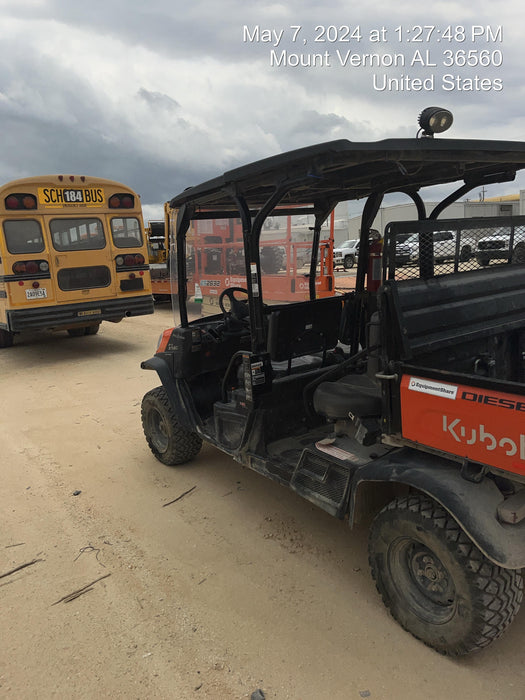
(425, 386)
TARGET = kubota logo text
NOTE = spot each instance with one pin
(481, 436)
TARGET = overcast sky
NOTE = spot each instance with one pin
(164, 94)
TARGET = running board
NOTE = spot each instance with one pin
(324, 481)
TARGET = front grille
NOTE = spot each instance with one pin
(72, 278)
(492, 245)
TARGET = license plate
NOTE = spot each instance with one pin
(36, 293)
(89, 312)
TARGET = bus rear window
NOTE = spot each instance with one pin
(77, 234)
(23, 236)
(126, 232)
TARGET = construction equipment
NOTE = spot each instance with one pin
(402, 399)
(158, 246)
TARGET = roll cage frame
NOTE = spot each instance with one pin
(313, 180)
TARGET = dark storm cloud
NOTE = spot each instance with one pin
(50, 125)
(71, 150)
(163, 95)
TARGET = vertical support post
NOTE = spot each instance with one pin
(183, 222)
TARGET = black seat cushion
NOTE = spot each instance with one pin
(354, 394)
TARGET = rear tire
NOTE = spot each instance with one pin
(92, 330)
(167, 439)
(436, 583)
(76, 332)
(6, 338)
(465, 253)
(271, 260)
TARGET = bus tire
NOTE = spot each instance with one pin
(92, 330)
(167, 439)
(435, 582)
(76, 332)
(6, 338)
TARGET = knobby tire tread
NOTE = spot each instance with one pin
(183, 445)
(502, 588)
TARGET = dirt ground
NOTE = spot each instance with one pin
(238, 586)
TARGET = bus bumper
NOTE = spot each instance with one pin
(85, 313)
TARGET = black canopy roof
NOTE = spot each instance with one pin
(342, 170)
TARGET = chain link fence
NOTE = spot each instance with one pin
(431, 248)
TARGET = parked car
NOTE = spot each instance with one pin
(444, 247)
(346, 254)
(403, 251)
(497, 247)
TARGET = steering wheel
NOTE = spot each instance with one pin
(238, 307)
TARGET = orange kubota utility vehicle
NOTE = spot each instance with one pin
(408, 392)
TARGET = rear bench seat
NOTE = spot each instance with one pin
(423, 316)
(418, 317)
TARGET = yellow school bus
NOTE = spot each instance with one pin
(72, 254)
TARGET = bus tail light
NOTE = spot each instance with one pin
(30, 267)
(132, 260)
(20, 200)
(122, 201)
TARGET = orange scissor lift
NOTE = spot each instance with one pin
(216, 261)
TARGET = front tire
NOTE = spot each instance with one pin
(465, 253)
(518, 254)
(349, 262)
(436, 583)
(168, 440)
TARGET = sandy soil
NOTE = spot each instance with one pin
(237, 586)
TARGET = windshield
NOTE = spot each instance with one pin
(215, 259)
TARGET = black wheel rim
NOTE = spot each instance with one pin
(158, 430)
(422, 581)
